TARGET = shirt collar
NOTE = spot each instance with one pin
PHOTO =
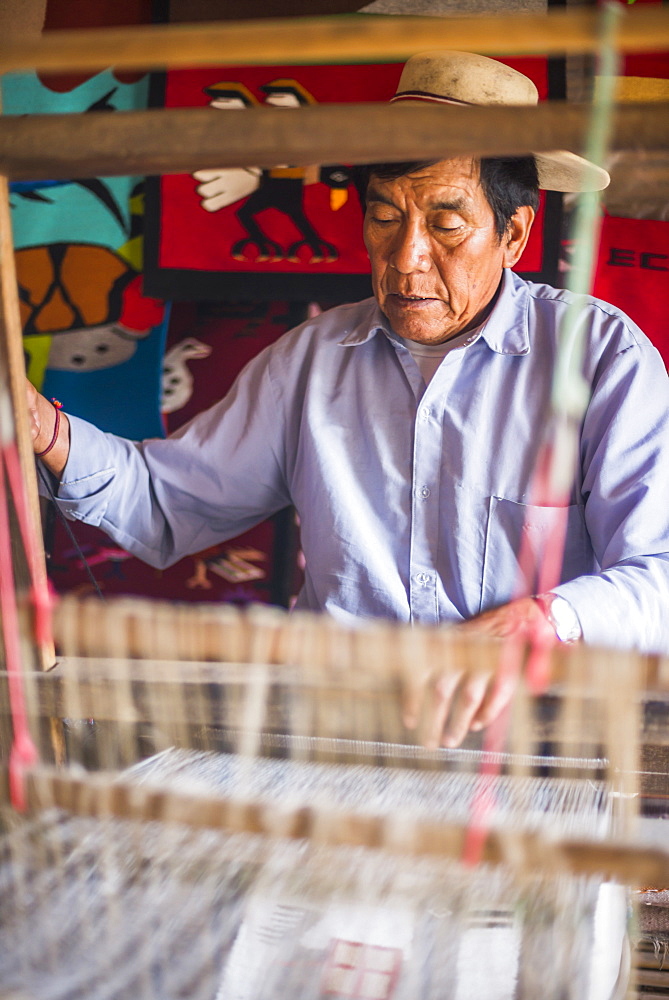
(371, 323)
(505, 331)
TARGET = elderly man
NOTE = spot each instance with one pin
(405, 429)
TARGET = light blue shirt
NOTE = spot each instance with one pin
(412, 499)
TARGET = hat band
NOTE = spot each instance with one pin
(426, 95)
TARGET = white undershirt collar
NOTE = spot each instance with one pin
(428, 357)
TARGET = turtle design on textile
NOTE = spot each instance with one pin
(88, 300)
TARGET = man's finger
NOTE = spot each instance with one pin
(423, 699)
(412, 703)
(439, 707)
(466, 704)
(413, 648)
(414, 692)
(498, 695)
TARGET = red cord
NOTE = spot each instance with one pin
(545, 572)
(23, 753)
(56, 427)
(39, 590)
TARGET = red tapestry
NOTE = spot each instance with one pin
(289, 232)
(208, 344)
(633, 262)
(633, 274)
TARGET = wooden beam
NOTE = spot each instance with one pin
(12, 361)
(100, 689)
(287, 41)
(185, 139)
(96, 795)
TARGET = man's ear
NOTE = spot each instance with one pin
(517, 234)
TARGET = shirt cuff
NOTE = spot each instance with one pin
(562, 616)
(88, 473)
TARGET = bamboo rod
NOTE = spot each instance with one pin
(55, 689)
(11, 351)
(95, 795)
(354, 38)
(11, 357)
(81, 694)
(209, 635)
(185, 139)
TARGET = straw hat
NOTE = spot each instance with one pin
(450, 77)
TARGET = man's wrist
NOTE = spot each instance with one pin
(53, 439)
(52, 444)
(561, 616)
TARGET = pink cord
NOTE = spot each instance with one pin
(39, 590)
(23, 753)
(546, 573)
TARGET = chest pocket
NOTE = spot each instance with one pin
(510, 525)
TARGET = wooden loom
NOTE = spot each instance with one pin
(248, 789)
(131, 831)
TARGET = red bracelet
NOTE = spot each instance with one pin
(58, 407)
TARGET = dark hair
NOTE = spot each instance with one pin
(507, 182)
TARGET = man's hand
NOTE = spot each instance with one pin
(473, 695)
(42, 417)
(523, 618)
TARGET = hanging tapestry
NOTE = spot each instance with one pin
(208, 344)
(91, 338)
(633, 262)
(289, 232)
(633, 274)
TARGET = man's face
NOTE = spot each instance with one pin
(436, 257)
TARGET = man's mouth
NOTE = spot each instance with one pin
(411, 299)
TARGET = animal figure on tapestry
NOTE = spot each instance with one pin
(279, 188)
(177, 381)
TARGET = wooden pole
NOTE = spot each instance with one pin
(630, 863)
(185, 139)
(354, 38)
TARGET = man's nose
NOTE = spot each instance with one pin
(411, 250)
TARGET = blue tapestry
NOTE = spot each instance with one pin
(91, 338)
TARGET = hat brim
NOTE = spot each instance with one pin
(558, 170)
(569, 173)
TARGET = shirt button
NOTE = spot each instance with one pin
(424, 492)
(423, 579)
(426, 413)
